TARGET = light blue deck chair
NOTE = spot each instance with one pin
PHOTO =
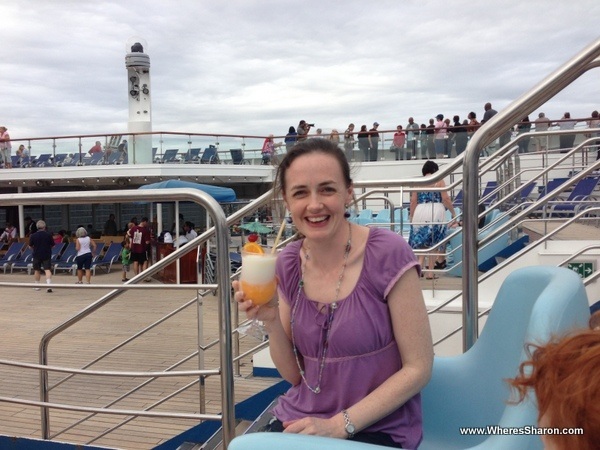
(365, 217)
(470, 390)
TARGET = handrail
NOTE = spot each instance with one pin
(491, 130)
(222, 269)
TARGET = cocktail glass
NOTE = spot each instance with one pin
(258, 282)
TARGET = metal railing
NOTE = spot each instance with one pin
(224, 294)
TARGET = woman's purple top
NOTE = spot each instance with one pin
(362, 350)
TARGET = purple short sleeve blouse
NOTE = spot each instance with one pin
(362, 350)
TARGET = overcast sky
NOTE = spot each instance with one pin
(257, 67)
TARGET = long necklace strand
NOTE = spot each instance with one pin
(330, 312)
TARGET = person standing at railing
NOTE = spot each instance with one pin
(424, 141)
(334, 137)
(490, 112)
(373, 142)
(412, 131)
(348, 327)
(290, 139)
(542, 123)
(524, 126)
(566, 140)
(473, 124)
(398, 143)
(440, 136)
(303, 130)
(594, 122)
(363, 142)
(349, 142)
(459, 131)
(5, 147)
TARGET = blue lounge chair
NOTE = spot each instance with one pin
(489, 196)
(192, 156)
(21, 262)
(106, 261)
(95, 159)
(237, 156)
(66, 261)
(170, 156)
(210, 156)
(25, 262)
(60, 159)
(11, 254)
(44, 160)
(579, 198)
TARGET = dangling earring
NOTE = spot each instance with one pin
(347, 213)
(289, 219)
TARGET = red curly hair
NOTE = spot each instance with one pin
(565, 375)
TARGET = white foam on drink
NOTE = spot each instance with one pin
(258, 269)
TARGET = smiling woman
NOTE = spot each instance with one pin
(350, 331)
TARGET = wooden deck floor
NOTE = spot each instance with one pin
(25, 315)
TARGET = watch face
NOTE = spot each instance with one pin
(350, 429)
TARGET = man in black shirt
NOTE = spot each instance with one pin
(41, 242)
(30, 227)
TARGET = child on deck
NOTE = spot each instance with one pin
(125, 258)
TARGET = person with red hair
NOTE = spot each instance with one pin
(565, 375)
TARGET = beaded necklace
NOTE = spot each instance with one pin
(329, 320)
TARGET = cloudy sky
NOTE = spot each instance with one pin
(259, 66)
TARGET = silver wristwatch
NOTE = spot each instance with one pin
(350, 428)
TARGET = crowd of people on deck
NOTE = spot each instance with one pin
(135, 239)
(441, 137)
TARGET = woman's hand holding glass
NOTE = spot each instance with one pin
(256, 288)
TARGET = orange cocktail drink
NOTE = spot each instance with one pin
(258, 276)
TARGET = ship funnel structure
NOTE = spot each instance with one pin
(137, 64)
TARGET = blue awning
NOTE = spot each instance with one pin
(220, 194)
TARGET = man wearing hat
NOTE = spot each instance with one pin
(373, 142)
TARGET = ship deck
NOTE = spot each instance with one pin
(26, 315)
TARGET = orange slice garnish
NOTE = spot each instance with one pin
(253, 247)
